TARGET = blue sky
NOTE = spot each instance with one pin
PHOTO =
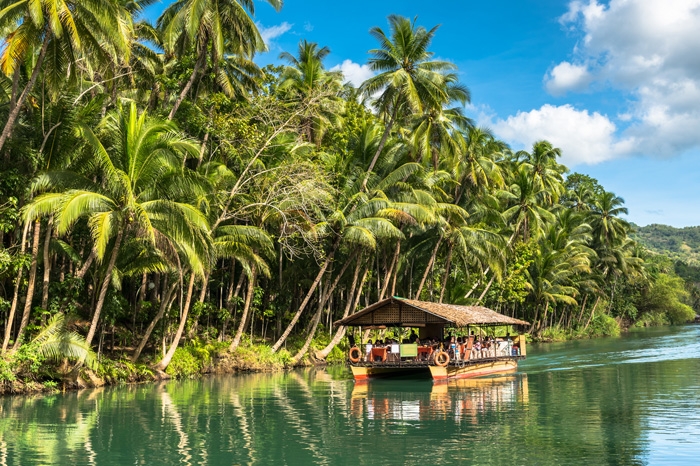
(615, 84)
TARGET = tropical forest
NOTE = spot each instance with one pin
(168, 207)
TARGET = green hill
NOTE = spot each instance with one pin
(678, 243)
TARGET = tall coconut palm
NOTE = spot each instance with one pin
(545, 170)
(527, 213)
(141, 189)
(305, 78)
(213, 28)
(409, 80)
(475, 165)
(66, 31)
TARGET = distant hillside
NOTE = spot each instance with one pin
(677, 243)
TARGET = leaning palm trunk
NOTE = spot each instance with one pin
(354, 297)
(47, 266)
(163, 363)
(246, 309)
(105, 286)
(164, 304)
(428, 268)
(394, 261)
(15, 297)
(314, 325)
(310, 293)
(448, 263)
(325, 296)
(197, 67)
(232, 303)
(590, 317)
(382, 143)
(14, 113)
(30, 286)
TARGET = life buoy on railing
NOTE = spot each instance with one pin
(442, 359)
(354, 354)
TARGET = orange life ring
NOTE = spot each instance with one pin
(354, 354)
(442, 359)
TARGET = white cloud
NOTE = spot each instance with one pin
(354, 73)
(567, 77)
(585, 138)
(649, 50)
(270, 33)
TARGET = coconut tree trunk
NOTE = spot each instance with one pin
(14, 113)
(427, 269)
(583, 306)
(15, 297)
(163, 363)
(47, 266)
(246, 309)
(380, 148)
(353, 298)
(307, 298)
(86, 265)
(314, 325)
(105, 285)
(590, 317)
(486, 289)
(197, 67)
(30, 286)
(202, 149)
(392, 266)
(445, 277)
(164, 305)
(232, 303)
(321, 305)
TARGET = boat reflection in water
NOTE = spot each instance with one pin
(420, 401)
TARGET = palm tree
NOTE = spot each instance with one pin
(475, 165)
(138, 162)
(56, 341)
(409, 80)
(64, 30)
(527, 213)
(307, 79)
(211, 27)
(608, 227)
(545, 170)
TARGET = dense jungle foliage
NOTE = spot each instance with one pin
(177, 203)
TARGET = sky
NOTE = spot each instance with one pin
(615, 84)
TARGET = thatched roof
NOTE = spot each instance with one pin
(401, 312)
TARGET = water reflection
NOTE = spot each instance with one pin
(421, 401)
(630, 408)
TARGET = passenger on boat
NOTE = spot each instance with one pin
(413, 337)
(476, 349)
(453, 348)
(368, 350)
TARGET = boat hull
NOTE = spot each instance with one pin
(449, 372)
(474, 370)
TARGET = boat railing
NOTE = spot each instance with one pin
(410, 354)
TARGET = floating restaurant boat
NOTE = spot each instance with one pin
(445, 360)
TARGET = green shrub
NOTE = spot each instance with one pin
(555, 333)
(603, 325)
(652, 319)
(184, 364)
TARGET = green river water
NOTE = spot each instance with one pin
(628, 400)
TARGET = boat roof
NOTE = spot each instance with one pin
(402, 312)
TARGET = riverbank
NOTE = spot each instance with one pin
(27, 374)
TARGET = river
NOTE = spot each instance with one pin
(633, 400)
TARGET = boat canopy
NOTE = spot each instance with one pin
(402, 312)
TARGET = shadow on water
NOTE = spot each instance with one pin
(629, 400)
